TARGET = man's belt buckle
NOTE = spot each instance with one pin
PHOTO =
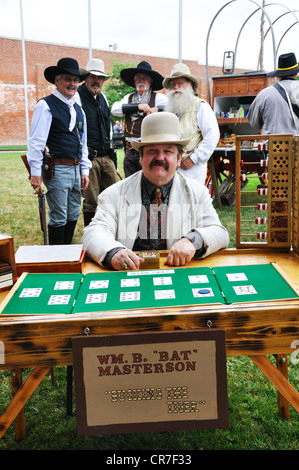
(95, 153)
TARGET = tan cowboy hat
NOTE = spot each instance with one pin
(96, 67)
(160, 128)
(181, 70)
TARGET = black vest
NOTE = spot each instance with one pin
(98, 119)
(63, 143)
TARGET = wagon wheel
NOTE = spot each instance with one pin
(223, 169)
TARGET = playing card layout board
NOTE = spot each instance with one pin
(253, 283)
(44, 294)
(147, 289)
(134, 290)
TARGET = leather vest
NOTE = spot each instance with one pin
(133, 128)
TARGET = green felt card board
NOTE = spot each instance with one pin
(182, 282)
(88, 291)
(265, 282)
(48, 285)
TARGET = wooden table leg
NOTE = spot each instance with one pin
(21, 397)
(283, 404)
(20, 420)
(278, 380)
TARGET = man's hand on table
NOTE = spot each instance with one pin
(126, 259)
(181, 253)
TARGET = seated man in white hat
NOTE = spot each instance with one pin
(133, 216)
(197, 121)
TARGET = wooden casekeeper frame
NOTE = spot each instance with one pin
(295, 235)
(277, 186)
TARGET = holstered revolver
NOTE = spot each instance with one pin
(48, 163)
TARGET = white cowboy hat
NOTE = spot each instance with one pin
(181, 70)
(96, 67)
(160, 128)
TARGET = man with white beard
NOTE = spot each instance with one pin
(197, 120)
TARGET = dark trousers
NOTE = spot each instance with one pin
(131, 162)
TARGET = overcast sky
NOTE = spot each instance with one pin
(151, 28)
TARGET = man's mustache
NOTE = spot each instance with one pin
(96, 84)
(159, 163)
(71, 87)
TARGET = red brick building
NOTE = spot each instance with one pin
(41, 55)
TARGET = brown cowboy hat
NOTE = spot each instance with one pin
(287, 65)
(128, 75)
(65, 65)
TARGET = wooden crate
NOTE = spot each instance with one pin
(8, 273)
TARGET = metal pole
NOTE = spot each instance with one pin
(89, 30)
(24, 71)
(180, 29)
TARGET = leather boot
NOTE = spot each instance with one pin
(56, 235)
(69, 229)
(87, 216)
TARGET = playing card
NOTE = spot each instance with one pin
(134, 282)
(202, 292)
(199, 278)
(64, 285)
(31, 292)
(164, 294)
(59, 299)
(129, 296)
(244, 290)
(236, 277)
(162, 281)
(101, 284)
(96, 298)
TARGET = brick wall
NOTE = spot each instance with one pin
(41, 55)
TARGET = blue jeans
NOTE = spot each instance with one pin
(64, 194)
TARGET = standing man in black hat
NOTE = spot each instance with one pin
(135, 106)
(59, 124)
(275, 109)
(94, 103)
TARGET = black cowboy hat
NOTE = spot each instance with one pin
(128, 75)
(65, 65)
(287, 65)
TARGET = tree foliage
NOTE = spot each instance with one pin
(115, 88)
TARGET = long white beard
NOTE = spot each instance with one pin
(179, 100)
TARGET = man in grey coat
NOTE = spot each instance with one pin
(132, 216)
(275, 109)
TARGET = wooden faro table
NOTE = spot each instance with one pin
(252, 329)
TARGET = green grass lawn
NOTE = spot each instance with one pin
(254, 423)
